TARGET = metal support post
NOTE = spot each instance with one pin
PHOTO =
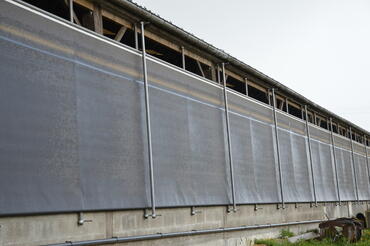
(218, 74)
(310, 154)
(229, 138)
(327, 124)
(353, 162)
(335, 159)
(71, 10)
(183, 57)
(302, 113)
(367, 159)
(246, 86)
(287, 105)
(136, 39)
(148, 129)
(278, 148)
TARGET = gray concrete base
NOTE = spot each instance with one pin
(48, 229)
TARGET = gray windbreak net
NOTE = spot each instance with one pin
(73, 132)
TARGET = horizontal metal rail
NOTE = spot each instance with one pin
(179, 234)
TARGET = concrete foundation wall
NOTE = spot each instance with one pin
(47, 229)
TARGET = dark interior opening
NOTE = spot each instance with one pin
(358, 138)
(297, 112)
(310, 118)
(129, 38)
(85, 16)
(235, 84)
(207, 70)
(197, 67)
(162, 52)
(110, 28)
(192, 66)
(56, 7)
(324, 124)
(280, 104)
(317, 120)
(335, 129)
(257, 94)
(341, 131)
(284, 107)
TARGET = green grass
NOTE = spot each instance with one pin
(286, 234)
(365, 241)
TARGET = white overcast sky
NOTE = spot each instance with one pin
(319, 48)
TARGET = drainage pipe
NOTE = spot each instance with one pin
(278, 148)
(229, 139)
(180, 234)
(148, 128)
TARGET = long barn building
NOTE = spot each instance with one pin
(117, 126)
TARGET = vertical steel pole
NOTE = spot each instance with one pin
(148, 129)
(287, 105)
(302, 113)
(310, 154)
(278, 147)
(367, 159)
(71, 10)
(218, 74)
(246, 86)
(183, 57)
(353, 162)
(229, 138)
(136, 39)
(335, 159)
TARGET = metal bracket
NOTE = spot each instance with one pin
(297, 205)
(231, 209)
(313, 204)
(81, 219)
(256, 208)
(194, 211)
(148, 213)
(280, 206)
